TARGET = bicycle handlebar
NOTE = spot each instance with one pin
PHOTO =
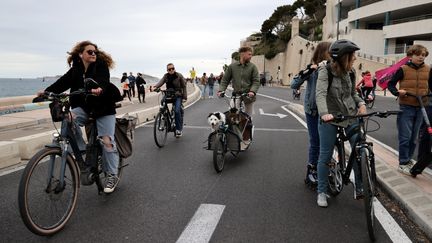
(234, 94)
(51, 95)
(381, 114)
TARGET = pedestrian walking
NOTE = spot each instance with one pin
(204, 84)
(125, 86)
(140, 83)
(132, 80)
(211, 83)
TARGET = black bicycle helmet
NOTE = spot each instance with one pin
(341, 47)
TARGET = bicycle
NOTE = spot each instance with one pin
(370, 100)
(362, 153)
(226, 138)
(165, 119)
(48, 189)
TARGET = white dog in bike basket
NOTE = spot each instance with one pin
(215, 119)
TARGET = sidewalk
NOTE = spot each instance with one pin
(23, 134)
(414, 194)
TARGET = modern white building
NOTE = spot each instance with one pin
(382, 28)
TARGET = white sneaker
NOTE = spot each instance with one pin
(406, 168)
(178, 133)
(322, 200)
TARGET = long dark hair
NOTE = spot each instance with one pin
(321, 52)
(79, 48)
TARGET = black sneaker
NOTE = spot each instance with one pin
(311, 176)
(111, 183)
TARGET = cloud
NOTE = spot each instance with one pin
(142, 36)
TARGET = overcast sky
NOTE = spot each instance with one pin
(142, 36)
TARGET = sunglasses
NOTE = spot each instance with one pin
(91, 52)
(170, 69)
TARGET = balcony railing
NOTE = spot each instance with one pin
(398, 49)
(411, 19)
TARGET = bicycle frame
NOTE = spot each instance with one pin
(360, 144)
(67, 142)
(164, 108)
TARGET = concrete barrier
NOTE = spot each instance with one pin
(23, 148)
(9, 153)
(29, 145)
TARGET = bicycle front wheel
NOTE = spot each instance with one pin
(369, 193)
(336, 168)
(370, 103)
(44, 204)
(160, 129)
(218, 153)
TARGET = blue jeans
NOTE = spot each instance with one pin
(178, 110)
(105, 127)
(327, 138)
(408, 124)
(204, 87)
(314, 145)
(211, 90)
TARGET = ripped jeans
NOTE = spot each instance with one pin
(105, 127)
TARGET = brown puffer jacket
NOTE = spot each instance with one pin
(415, 82)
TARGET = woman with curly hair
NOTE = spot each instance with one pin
(86, 61)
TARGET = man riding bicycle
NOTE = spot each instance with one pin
(244, 77)
(174, 80)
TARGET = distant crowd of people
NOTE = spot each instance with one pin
(128, 84)
(205, 82)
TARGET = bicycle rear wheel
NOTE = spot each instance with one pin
(369, 193)
(336, 169)
(160, 129)
(46, 206)
(218, 152)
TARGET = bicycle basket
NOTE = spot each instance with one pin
(124, 135)
(57, 111)
(170, 97)
(233, 141)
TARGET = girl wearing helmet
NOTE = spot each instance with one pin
(340, 98)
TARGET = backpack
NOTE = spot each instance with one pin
(330, 76)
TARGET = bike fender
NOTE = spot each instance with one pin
(53, 145)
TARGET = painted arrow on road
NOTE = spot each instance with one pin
(268, 114)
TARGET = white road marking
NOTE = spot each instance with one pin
(255, 129)
(395, 233)
(261, 111)
(202, 225)
(295, 116)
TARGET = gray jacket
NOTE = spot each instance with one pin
(341, 97)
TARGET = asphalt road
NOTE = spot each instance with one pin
(261, 192)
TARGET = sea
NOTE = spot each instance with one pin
(10, 87)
